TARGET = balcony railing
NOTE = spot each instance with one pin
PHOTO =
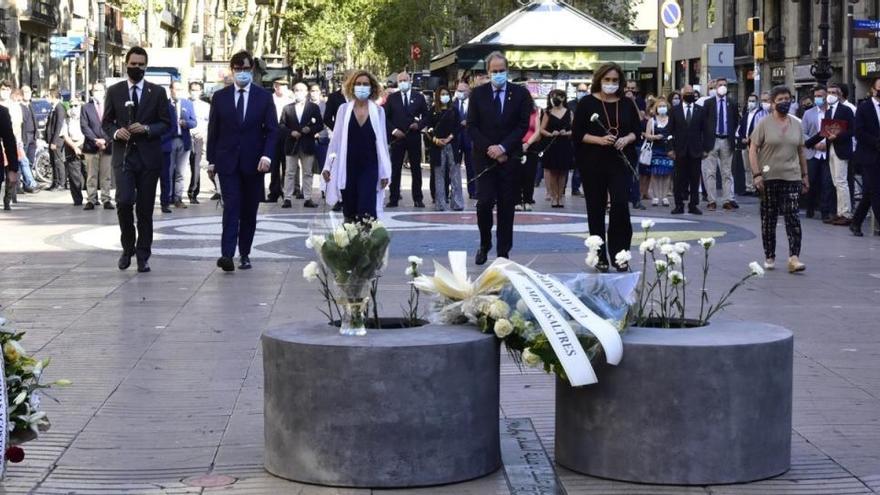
(43, 11)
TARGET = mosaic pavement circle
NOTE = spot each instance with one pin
(281, 236)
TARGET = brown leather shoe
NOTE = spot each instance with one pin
(180, 204)
(711, 206)
(843, 221)
(727, 206)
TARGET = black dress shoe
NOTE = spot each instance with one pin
(811, 213)
(693, 210)
(124, 261)
(109, 206)
(602, 266)
(166, 209)
(310, 204)
(215, 197)
(337, 207)
(678, 210)
(143, 266)
(419, 204)
(300, 196)
(856, 230)
(194, 200)
(391, 204)
(286, 204)
(245, 263)
(482, 256)
(89, 206)
(226, 264)
(75, 203)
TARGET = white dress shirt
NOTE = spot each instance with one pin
(246, 95)
(820, 115)
(299, 107)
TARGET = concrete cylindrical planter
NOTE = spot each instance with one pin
(695, 406)
(395, 408)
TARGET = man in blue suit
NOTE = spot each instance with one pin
(177, 145)
(242, 130)
(463, 143)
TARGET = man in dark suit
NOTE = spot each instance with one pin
(405, 115)
(498, 118)
(96, 148)
(242, 131)
(177, 146)
(463, 145)
(281, 98)
(29, 125)
(689, 148)
(135, 117)
(867, 156)
(335, 100)
(840, 151)
(721, 122)
(9, 160)
(55, 139)
(300, 123)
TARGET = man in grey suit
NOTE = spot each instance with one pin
(821, 194)
(135, 117)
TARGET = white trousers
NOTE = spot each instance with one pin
(841, 186)
(291, 176)
(719, 158)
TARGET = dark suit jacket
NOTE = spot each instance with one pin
(10, 148)
(486, 128)
(843, 145)
(711, 107)
(335, 100)
(90, 124)
(54, 125)
(398, 117)
(689, 139)
(867, 132)
(311, 118)
(28, 126)
(187, 114)
(237, 147)
(463, 141)
(152, 112)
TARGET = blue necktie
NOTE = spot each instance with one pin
(721, 120)
(498, 107)
(239, 107)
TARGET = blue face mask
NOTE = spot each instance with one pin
(244, 78)
(404, 86)
(581, 94)
(819, 101)
(499, 79)
(362, 92)
(444, 99)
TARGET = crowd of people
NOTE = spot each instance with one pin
(624, 150)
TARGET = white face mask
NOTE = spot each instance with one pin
(753, 105)
(765, 105)
(459, 95)
(299, 97)
(833, 99)
(5, 94)
(610, 89)
(722, 90)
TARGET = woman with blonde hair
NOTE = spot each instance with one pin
(658, 132)
(358, 168)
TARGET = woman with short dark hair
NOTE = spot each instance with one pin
(558, 155)
(779, 167)
(444, 123)
(604, 131)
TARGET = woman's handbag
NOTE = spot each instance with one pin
(645, 154)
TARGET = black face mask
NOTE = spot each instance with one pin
(135, 73)
(783, 107)
(556, 102)
(689, 98)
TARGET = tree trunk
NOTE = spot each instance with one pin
(244, 29)
(281, 6)
(189, 16)
(262, 31)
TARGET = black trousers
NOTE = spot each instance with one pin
(59, 168)
(821, 193)
(75, 180)
(600, 182)
(870, 195)
(411, 146)
(686, 180)
(527, 179)
(136, 195)
(497, 187)
(277, 171)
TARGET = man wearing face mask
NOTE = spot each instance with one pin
(242, 132)
(201, 109)
(281, 97)
(177, 142)
(690, 146)
(463, 142)
(300, 123)
(867, 155)
(701, 100)
(9, 160)
(722, 117)
(97, 149)
(55, 139)
(135, 117)
(405, 113)
(821, 193)
(839, 150)
(743, 131)
(498, 119)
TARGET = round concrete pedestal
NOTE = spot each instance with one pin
(396, 408)
(692, 407)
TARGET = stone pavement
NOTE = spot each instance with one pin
(167, 367)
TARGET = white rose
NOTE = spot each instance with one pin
(756, 269)
(340, 236)
(682, 247)
(766, 169)
(623, 257)
(415, 260)
(707, 242)
(310, 271)
(664, 240)
(647, 246)
(409, 271)
(647, 224)
(503, 328)
(530, 359)
(498, 309)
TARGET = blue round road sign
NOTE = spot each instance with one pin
(670, 13)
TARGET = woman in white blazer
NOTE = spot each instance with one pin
(357, 169)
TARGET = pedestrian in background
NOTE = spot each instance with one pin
(199, 135)
(558, 156)
(779, 168)
(867, 156)
(97, 150)
(281, 97)
(445, 122)
(462, 142)
(526, 196)
(752, 114)
(821, 194)
(183, 118)
(406, 112)
(323, 137)
(55, 140)
(722, 118)
(10, 157)
(300, 123)
(661, 167)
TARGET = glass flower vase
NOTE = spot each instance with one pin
(353, 299)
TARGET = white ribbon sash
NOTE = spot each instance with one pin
(4, 435)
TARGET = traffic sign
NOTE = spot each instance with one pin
(65, 46)
(866, 28)
(670, 13)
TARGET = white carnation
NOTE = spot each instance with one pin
(667, 249)
(498, 309)
(648, 224)
(756, 269)
(766, 169)
(623, 257)
(415, 260)
(592, 260)
(647, 246)
(409, 271)
(664, 240)
(676, 277)
(682, 247)
(661, 266)
(707, 242)
(503, 328)
(674, 259)
(594, 242)
(340, 237)
(530, 359)
(310, 271)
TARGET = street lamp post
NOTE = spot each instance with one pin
(102, 42)
(822, 69)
